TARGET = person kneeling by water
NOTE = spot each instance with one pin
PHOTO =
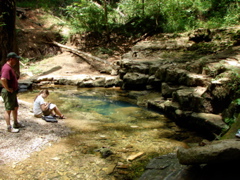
(41, 108)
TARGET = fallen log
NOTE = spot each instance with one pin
(98, 63)
(80, 52)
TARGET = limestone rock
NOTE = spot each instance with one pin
(167, 89)
(134, 81)
(218, 152)
(210, 122)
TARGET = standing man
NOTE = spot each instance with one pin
(9, 92)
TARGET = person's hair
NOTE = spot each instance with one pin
(44, 91)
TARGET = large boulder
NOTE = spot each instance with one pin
(167, 89)
(168, 167)
(191, 98)
(208, 122)
(221, 94)
(224, 151)
(135, 81)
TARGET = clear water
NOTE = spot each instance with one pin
(99, 118)
(104, 106)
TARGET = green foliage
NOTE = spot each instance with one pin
(137, 168)
(229, 121)
(131, 16)
(232, 15)
(25, 60)
(86, 16)
(238, 101)
(234, 83)
(186, 14)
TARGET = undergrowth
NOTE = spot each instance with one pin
(134, 17)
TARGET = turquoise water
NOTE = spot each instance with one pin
(104, 106)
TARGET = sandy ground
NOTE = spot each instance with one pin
(65, 64)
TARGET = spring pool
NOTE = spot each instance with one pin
(102, 118)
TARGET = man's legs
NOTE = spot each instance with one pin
(7, 117)
(11, 105)
(15, 119)
(15, 115)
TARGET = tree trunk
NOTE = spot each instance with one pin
(106, 20)
(7, 31)
(143, 7)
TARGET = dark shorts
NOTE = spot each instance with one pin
(48, 111)
(9, 99)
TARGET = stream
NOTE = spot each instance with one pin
(101, 118)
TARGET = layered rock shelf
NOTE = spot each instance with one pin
(191, 99)
(195, 87)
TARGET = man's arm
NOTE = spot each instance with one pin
(5, 85)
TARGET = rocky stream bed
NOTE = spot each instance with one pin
(192, 76)
(67, 149)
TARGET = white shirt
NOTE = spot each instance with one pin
(37, 105)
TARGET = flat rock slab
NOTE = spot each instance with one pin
(161, 167)
(167, 167)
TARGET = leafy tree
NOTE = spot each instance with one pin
(7, 30)
(162, 15)
(86, 16)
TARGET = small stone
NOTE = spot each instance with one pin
(56, 158)
(123, 166)
(134, 156)
(134, 126)
(20, 172)
(109, 169)
(129, 146)
(123, 172)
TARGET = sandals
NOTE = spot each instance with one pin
(62, 117)
(59, 117)
(54, 115)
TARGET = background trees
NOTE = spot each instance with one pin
(160, 15)
(7, 30)
(125, 18)
(165, 15)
